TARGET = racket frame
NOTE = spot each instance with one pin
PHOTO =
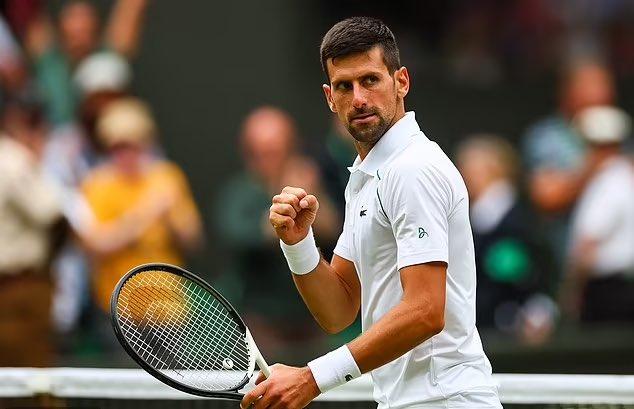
(230, 394)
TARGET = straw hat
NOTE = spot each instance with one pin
(126, 120)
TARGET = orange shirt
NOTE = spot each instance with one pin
(110, 195)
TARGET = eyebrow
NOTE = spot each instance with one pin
(370, 73)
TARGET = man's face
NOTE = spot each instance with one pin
(267, 144)
(364, 95)
(127, 157)
(588, 86)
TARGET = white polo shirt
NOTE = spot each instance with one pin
(407, 204)
(605, 214)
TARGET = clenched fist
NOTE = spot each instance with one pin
(292, 213)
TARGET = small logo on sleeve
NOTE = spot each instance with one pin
(348, 378)
(363, 212)
(422, 233)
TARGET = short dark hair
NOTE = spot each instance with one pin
(356, 35)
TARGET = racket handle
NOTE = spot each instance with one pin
(264, 367)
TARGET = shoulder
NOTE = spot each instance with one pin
(422, 172)
(167, 169)
(13, 157)
(422, 160)
(609, 183)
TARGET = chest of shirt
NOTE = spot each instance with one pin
(372, 239)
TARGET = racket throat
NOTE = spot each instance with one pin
(256, 356)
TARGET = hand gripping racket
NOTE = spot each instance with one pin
(183, 332)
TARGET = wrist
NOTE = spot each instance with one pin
(334, 369)
(309, 381)
(302, 257)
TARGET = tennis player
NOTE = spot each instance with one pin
(405, 258)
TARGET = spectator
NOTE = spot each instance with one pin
(509, 263)
(600, 280)
(28, 212)
(554, 152)
(256, 267)
(71, 152)
(142, 206)
(79, 37)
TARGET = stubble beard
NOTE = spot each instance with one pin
(369, 135)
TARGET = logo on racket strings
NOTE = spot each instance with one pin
(227, 363)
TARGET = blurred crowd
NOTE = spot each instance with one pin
(87, 192)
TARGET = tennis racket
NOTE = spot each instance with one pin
(184, 332)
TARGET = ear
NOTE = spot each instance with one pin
(328, 94)
(402, 82)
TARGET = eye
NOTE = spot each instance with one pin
(343, 86)
(370, 80)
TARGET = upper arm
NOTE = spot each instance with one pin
(424, 290)
(347, 274)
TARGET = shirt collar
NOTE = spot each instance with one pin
(396, 137)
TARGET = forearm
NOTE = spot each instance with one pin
(330, 300)
(125, 26)
(103, 238)
(399, 331)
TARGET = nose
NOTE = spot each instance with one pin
(359, 99)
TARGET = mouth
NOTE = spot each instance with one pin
(362, 119)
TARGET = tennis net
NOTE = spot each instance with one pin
(133, 388)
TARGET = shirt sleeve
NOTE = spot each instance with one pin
(416, 202)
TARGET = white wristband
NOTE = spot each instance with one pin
(334, 369)
(302, 257)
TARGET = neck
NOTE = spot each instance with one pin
(363, 148)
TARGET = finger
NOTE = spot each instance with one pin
(297, 191)
(279, 221)
(253, 395)
(284, 209)
(288, 198)
(263, 402)
(309, 202)
(261, 378)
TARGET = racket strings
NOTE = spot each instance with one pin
(170, 345)
(183, 331)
